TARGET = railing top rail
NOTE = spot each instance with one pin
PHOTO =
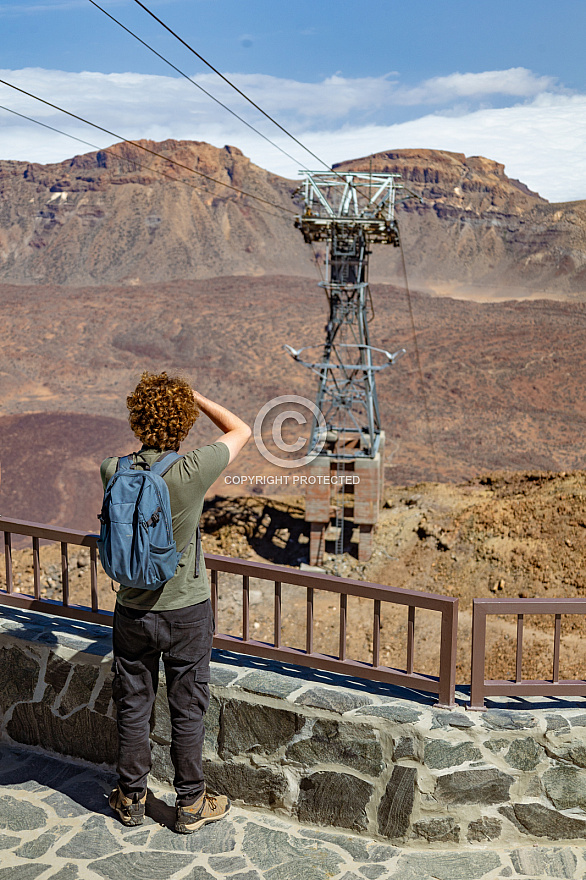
(530, 606)
(316, 580)
(431, 601)
(51, 533)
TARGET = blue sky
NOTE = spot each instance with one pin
(500, 79)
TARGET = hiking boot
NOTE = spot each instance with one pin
(206, 809)
(130, 809)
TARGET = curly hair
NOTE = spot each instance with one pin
(162, 410)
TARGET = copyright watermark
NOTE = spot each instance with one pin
(274, 420)
(294, 480)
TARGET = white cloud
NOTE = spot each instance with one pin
(517, 82)
(542, 143)
(541, 138)
(334, 97)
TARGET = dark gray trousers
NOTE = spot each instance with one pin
(183, 638)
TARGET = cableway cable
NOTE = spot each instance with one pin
(197, 85)
(52, 128)
(112, 150)
(147, 149)
(231, 84)
(235, 87)
(418, 359)
(317, 263)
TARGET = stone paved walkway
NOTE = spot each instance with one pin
(55, 823)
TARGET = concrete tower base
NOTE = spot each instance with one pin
(363, 483)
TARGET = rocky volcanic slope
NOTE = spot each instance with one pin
(475, 225)
(505, 383)
(121, 215)
(112, 217)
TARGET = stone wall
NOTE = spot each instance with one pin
(330, 752)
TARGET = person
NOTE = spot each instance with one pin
(174, 622)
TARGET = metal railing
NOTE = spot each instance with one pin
(36, 602)
(481, 688)
(443, 685)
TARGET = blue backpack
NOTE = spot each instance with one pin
(136, 542)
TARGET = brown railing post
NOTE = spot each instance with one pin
(519, 649)
(8, 561)
(65, 573)
(94, 577)
(478, 655)
(556, 647)
(309, 623)
(246, 608)
(214, 598)
(410, 639)
(376, 634)
(448, 648)
(343, 624)
(277, 620)
(36, 568)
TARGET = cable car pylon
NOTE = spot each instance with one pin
(349, 212)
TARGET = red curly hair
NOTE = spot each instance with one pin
(162, 410)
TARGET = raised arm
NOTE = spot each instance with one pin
(235, 431)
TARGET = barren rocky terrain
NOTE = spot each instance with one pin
(479, 231)
(125, 217)
(503, 383)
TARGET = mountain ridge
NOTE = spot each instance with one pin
(111, 217)
(474, 225)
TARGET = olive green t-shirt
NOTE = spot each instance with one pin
(188, 481)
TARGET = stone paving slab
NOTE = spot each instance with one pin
(55, 823)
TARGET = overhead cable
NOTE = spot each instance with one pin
(232, 85)
(112, 150)
(196, 84)
(50, 127)
(418, 360)
(140, 146)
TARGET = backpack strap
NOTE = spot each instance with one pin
(197, 549)
(127, 462)
(164, 463)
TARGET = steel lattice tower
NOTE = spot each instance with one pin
(349, 212)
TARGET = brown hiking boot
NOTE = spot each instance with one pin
(130, 809)
(206, 809)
